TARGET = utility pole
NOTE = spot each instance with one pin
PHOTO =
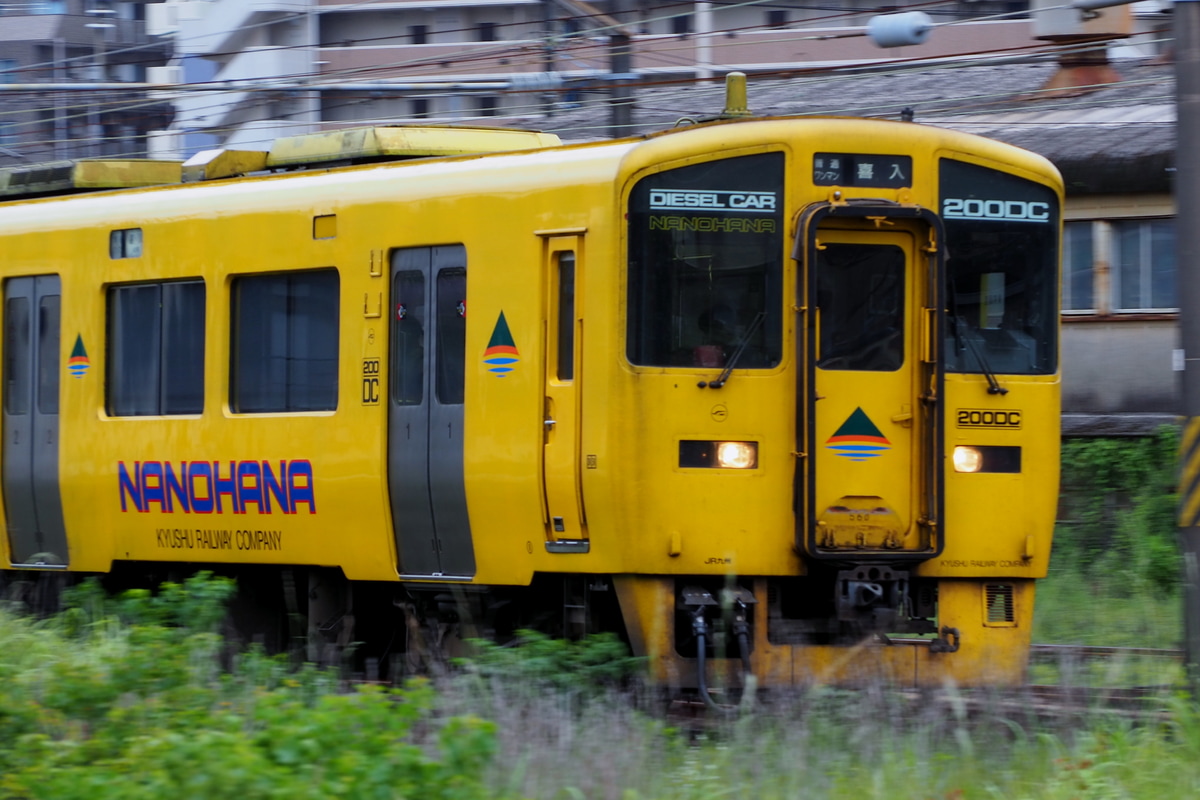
(1187, 244)
(620, 66)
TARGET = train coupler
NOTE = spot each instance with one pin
(947, 642)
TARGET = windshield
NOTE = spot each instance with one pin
(1001, 271)
(705, 261)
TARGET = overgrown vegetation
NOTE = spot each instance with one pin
(126, 698)
(138, 696)
(1117, 520)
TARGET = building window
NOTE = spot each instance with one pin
(155, 363)
(489, 105)
(1143, 275)
(420, 107)
(418, 34)
(487, 32)
(8, 70)
(1078, 258)
(681, 24)
(777, 18)
(285, 342)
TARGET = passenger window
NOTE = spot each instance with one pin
(16, 356)
(48, 338)
(408, 338)
(155, 363)
(566, 316)
(451, 334)
(285, 342)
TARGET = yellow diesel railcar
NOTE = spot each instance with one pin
(770, 396)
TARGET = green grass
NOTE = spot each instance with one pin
(1076, 608)
(138, 698)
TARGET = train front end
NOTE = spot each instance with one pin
(837, 418)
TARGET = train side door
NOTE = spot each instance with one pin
(872, 422)
(32, 503)
(425, 412)
(566, 523)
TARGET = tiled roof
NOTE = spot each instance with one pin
(1120, 137)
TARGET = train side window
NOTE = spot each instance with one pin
(16, 356)
(408, 338)
(451, 305)
(48, 338)
(566, 316)
(155, 363)
(285, 342)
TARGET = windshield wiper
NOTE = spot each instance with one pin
(737, 353)
(994, 386)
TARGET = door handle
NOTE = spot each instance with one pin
(549, 423)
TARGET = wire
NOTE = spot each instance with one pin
(577, 48)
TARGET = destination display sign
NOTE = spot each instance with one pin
(861, 169)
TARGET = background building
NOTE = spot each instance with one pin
(349, 62)
(44, 45)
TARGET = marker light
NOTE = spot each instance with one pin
(967, 459)
(737, 455)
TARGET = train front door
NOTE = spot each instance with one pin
(425, 412)
(32, 359)
(562, 480)
(873, 420)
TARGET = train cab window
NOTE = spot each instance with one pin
(860, 295)
(706, 264)
(408, 338)
(1001, 271)
(451, 335)
(16, 356)
(285, 342)
(155, 363)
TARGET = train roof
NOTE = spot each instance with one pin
(321, 150)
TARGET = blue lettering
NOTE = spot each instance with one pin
(176, 487)
(202, 501)
(249, 487)
(272, 486)
(152, 490)
(199, 487)
(300, 486)
(226, 485)
(131, 487)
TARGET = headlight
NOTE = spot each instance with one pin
(718, 455)
(987, 458)
(736, 455)
(967, 459)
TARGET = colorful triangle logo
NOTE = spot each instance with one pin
(501, 355)
(78, 362)
(858, 439)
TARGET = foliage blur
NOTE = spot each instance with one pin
(127, 698)
(1117, 516)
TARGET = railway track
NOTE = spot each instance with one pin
(1084, 652)
(1045, 702)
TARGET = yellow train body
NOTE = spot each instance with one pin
(580, 454)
